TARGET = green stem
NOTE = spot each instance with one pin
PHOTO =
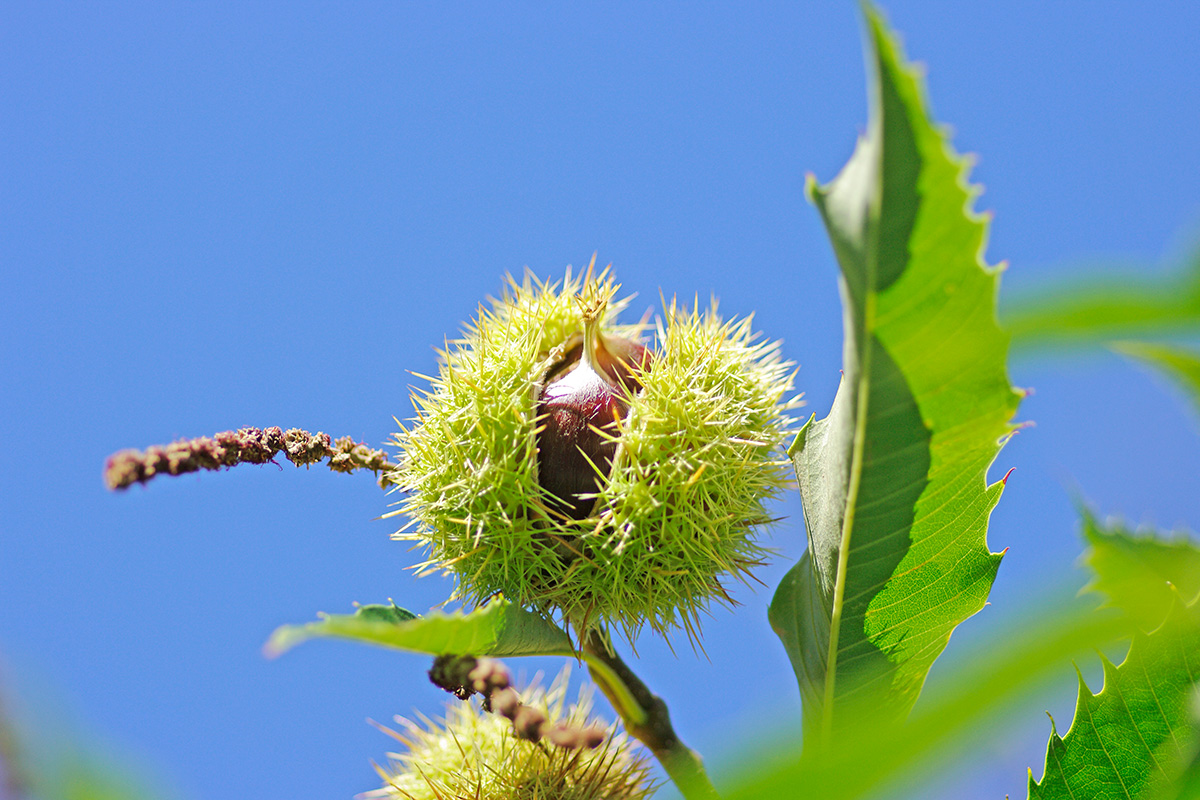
(648, 719)
(615, 690)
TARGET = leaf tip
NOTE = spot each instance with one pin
(277, 644)
(811, 187)
(1083, 687)
(801, 435)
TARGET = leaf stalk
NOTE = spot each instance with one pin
(648, 720)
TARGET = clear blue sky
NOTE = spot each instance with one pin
(230, 214)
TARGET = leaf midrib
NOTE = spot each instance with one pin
(862, 403)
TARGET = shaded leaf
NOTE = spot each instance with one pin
(499, 628)
(496, 629)
(893, 480)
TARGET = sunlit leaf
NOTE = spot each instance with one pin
(496, 629)
(893, 480)
(1139, 574)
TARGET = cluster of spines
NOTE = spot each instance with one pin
(474, 756)
(699, 454)
(470, 462)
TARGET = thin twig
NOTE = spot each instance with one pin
(682, 764)
(244, 446)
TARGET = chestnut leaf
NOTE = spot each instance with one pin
(498, 628)
(894, 480)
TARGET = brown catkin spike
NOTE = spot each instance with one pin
(243, 446)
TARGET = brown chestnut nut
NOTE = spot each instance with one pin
(579, 409)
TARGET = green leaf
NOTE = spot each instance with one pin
(1141, 574)
(496, 629)
(893, 481)
(1180, 364)
(499, 628)
(1098, 309)
(1138, 732)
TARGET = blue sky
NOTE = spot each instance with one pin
(251, 214)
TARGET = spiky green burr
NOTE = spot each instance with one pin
(471, 755)
(698, 453)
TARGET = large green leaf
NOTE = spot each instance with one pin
(893, 480)
(496, 629)
(1137, 733)
(1098, 309)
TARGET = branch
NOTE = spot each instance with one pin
(243, 446)
(654, 730)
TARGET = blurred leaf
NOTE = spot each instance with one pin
(35, 765)
(496, 629)
(965, 707)
(1141, 574)
(1138, 730)
(1095, 309)
(1180, 364)
(894, 479)
(85, 779)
